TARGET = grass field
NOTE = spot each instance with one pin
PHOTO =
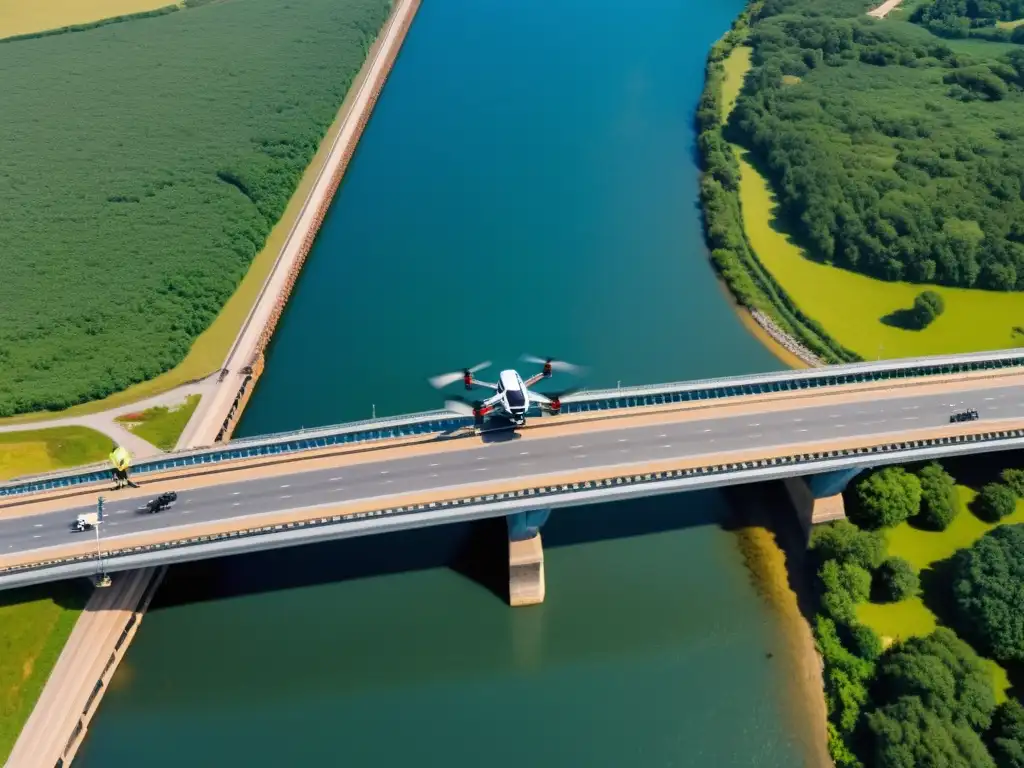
(210, 349)
(851, 306)
(229, 103)
(35, 623)
(161, 425)
(736, 67)
(21, 17)
(1010, 24)
(41, 450)
(923, 548)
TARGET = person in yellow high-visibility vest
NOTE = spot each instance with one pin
(121, 460)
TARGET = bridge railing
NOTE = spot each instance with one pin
(441, 422)
(544, 495)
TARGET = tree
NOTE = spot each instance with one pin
(1014, 478)
(928, 305)
(907, 734)
(843, 586)
(845, 542)
(895, 580)
(886, 498)
(994, 502)
(864, 642)
(988, 592)
(1006, 738)
(938, 498)
(944, 673)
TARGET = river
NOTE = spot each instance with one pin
(526, 184)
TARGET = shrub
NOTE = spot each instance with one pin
(1014, 478)
(886, 498)
(995, 502)
(938, 498)
(865, 642)
(895, 580)
(845, 542)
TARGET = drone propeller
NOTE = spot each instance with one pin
(550, 363)
(460, 407)
(442, 381)
(556, 398)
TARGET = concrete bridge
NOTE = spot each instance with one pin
(818, 428)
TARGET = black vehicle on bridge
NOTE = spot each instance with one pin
(971, 414)
(161, 502)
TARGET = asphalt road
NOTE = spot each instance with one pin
(515, 458)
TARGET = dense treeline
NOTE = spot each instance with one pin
(924, 700)
(891, 155)
(972, 18)
(731, 254)
(142, 166)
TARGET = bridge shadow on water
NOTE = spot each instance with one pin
(477, 550)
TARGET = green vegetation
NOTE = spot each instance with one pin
(160, 425)
(731, 253)
(833, 116)
(886, 498)
(1007, 735)
(996, 20)
(228, 172)
(928, 698)
(895, 580)
(41, 450)
(995, 502)
(988, 592)
(938, 498)
(35, 623)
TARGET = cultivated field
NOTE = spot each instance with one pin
(140, 216)
(22, 17)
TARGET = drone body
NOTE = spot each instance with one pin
(512, 396)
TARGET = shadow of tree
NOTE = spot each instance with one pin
(904, 319)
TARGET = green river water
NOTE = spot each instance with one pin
(527, 184)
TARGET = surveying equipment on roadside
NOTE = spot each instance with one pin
(101, 579)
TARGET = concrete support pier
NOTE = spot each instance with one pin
(811, 508)
(526, 558)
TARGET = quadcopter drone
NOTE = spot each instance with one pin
(512, 394)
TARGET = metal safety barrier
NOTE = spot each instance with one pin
(544, 493)
(443, 422)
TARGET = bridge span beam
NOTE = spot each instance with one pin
(526, 557)
(819, 498)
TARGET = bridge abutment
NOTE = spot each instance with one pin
(819, 498)
(526, 584)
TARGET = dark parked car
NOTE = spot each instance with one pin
(161, 502)
(968, 415)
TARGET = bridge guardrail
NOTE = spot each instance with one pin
(439, 422)
(538, 492)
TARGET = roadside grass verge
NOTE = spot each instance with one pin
(35, 623)
(41, 450)
(161, 425)
(851, 307)
(923, 549)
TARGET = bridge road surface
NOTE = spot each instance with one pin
(512, 459)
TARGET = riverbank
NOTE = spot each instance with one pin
(734, 257)
(768, 270)
(775, 553)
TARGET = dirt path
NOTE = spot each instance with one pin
(884, 9)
